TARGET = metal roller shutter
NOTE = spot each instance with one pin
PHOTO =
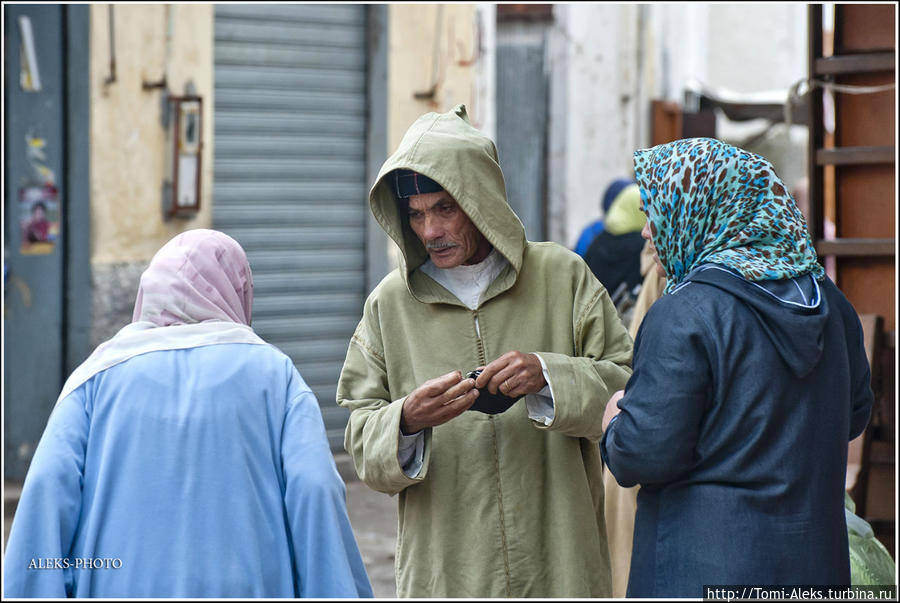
(289, 176)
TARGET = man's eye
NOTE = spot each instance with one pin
(446, 209)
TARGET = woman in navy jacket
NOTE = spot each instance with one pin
(750, 377)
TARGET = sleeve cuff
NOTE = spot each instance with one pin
(411, 453)
(540, 406)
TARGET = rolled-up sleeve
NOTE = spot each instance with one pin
(372, 433)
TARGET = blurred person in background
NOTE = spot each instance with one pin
(596, 227)
(750, 378)
(186, 457)
(614, 256)
(495, 500)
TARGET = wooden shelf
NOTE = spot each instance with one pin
(855, 247)
(855, 155)
(854, 63)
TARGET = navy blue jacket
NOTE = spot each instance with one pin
(735, 423)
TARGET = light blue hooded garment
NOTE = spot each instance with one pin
(185, 458)
(228, 494)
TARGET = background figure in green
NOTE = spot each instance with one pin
(870, 562)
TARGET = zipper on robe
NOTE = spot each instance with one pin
(481, 357)
(483, 361)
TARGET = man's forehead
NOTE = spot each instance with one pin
(429, 200)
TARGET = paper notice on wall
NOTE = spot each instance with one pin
(36, 154)
(30, 75)
(39, 213)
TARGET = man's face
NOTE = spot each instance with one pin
(449, 236)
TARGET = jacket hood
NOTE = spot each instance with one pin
(625, 213)
(448, 149)
(792, 312)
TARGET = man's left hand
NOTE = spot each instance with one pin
(513, 374)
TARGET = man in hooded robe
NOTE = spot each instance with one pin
(497, 474)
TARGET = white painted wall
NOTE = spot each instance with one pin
(484, 86)
(594, 110)
(772, 42)
(773, 57)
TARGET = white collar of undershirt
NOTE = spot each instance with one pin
(468, 283)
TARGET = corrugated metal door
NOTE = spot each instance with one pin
(289, 179)
(522, 126)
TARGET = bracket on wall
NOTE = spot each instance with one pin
(181, 194)
(164, 99)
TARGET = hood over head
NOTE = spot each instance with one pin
(612, 191)
(625, 213)
(447, 149)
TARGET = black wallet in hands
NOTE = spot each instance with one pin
(488, 403)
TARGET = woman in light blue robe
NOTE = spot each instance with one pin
(186, 458)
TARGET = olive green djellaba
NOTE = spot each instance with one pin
(504, 505)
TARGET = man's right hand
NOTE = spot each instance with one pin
(437, 401)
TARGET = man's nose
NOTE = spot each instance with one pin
(433, 227)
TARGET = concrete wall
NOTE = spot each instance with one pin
(594, 105)
(774, 65)
(129, 145)
(773, 35)
(434, 44)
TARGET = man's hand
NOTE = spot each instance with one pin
(612, 408)
(437, 401)
(513, 374)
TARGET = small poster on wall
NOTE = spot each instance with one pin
(39, 219)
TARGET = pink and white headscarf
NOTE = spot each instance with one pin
(197, 276)
(197, 291)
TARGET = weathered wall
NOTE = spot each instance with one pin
(772, 34)
(741, 63)
(430, 44)
(128, 143)
(594, 110)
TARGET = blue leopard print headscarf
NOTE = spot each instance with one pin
(708, 201)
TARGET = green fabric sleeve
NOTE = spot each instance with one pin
(583, 384)
(373, 431)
